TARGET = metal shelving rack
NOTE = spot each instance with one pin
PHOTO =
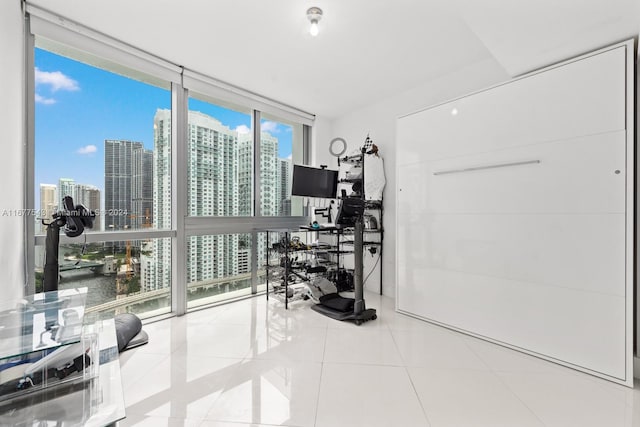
(370, 205)
(285, 251)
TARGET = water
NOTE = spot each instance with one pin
(101, 289)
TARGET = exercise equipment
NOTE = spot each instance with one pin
(73, 219)
(350, 214)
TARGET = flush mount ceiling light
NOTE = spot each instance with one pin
(314, 14)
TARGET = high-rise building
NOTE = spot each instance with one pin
(66, 187)
(284, 186)
(48, 203)
(156, 267)
(213, 191)
(89, 197)
(142, 188)
(118, 183)
(245, 192)
(269, 196)
(213, 167)
(245, 174)
(220, 183)
(244, 261)
(269, 175)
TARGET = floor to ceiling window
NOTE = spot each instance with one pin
(280, 147)
(182, 173)
(97, 140)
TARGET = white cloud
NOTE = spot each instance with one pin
(243, 129)
(56, 80)
(46, 101)
(268, 126)
(88, 149)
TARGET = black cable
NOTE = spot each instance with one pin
(82, 252)
(372, 269)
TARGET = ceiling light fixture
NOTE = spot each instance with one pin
(314, 14)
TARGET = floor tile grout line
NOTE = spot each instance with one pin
(393, 337)
(317, 406)
(519, 398)
(415, 391)
(413, 386)
(380, 331)
(324, 351)
(470, 349)
(246, 357)
(506, 386)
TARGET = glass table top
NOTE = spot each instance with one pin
(96, 402)
(41, 321)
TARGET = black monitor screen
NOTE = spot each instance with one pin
(351, 208)
(314, 182)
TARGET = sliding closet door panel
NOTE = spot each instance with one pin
(512, 214)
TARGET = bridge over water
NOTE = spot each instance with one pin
(79, 266)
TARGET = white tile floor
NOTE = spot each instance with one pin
(251, 363)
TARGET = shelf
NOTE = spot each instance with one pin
(350, 232)
(364, 243)
(355, 159)
(373, 204)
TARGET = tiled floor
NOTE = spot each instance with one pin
(251, 363)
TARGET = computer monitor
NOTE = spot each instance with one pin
(351, 208)
(314, 182)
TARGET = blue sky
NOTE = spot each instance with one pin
(79, 106)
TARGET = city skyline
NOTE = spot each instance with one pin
(78, 107)
(51, 197)
(113, 134)
(278, 183)
(220, 183)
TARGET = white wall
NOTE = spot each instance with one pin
(379, 121)
(12, 273)
(322, 135)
